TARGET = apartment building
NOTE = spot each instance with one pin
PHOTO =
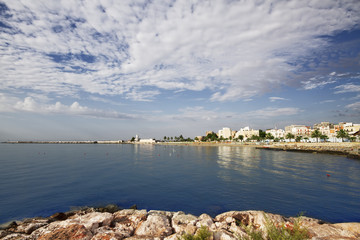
(277, 133)
(225, 133)
(298, 130)
(246, 132)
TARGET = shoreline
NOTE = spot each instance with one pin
(350, 150)
(110, 222)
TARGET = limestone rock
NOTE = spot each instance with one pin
(126, 221)
(156, 225)
(72, 232)
(182, 222)
(205, 220)
(95, 219)
(223, 235)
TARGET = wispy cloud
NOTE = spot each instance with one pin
(347, 88)
(273, 112)
(235, 49)
(354, 106)
(29, 104)
(273, 99)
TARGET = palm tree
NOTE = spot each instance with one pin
(290, 136)
(342, 134)
(316, 134)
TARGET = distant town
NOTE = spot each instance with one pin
(320, 132)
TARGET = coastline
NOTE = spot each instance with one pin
(350, 150)
(112, 223)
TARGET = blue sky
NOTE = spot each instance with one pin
(113, 69)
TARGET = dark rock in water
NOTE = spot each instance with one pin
(60, 216)
(134, 207)
(11, 225)
(111, 208)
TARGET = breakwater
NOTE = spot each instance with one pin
(111, 223)
(351, 150)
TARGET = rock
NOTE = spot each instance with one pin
(223, 235)
(111, 208)
(182, 222)
(166, 213)
(95, 219)
(134, 206)
(156, 225)
(72, 232)
(205, 220)
(59, 217)
(14, 236)
(351, 227)
(126, 221)
(106, 233)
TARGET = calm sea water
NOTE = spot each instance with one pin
(41, 179)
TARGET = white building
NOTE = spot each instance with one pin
(150, 140)
(277, 133)
(225, 133)
(298, 130)
(246, 132)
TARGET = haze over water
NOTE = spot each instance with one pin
(41, 179)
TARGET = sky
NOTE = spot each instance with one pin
(108, 70)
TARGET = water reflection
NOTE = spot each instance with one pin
(241, 159)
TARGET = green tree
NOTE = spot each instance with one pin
(290, 136)
(269, 136)
(241, 138)
(132, 139)
(342, 134)
(324, 137)
(262, 134)
(165, 138)
(316, 134)
(298, 138)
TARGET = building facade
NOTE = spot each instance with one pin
(277, 133)
(246, 132)
(225, 133)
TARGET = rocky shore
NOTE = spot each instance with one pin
(111, 223)
(351, 150)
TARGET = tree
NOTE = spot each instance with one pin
(324, 137)
(316, 134)
(342, 134)
(290, 136)
(132, 139)
(165, 138)
(298, 138)
(241, 138)
(269, 136)
(262, 134)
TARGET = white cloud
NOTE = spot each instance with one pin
(29, 104)
(347, 88)
(236, 49)
(273, 99)
(354, 106)
(327, 101)
(273, 112)
(316, 83)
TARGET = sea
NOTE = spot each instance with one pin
(42, 179)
